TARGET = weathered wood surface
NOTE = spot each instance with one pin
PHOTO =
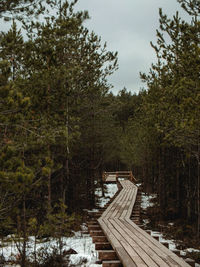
(111, 178)
(134, 247)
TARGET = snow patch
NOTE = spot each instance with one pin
(110, 191)
(82, 243)
(172, 244)
(193, 250)
(146, 200)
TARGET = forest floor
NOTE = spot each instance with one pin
(174, 232)
(80, 250)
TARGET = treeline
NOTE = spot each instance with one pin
(55, 115)
(161, 139)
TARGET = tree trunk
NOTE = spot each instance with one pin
(162, 193)
(49, 193)
(198, 192)
(188, 193)
(66, 180)
(177, 188)
(23, 256)
(49, 184)
(101, 182)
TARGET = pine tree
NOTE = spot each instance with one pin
(20, 8)
(174, 87)
(53, 90)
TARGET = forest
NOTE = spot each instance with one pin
(61, 126)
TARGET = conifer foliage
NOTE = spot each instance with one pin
(53, 83)
(164, 137)
(60, 127)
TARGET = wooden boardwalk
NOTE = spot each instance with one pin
(112, 177)
(133, 246)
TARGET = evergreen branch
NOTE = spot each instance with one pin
(6, 112)
(20, 126)
(16, 9)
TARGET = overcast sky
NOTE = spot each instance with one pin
(128, 26)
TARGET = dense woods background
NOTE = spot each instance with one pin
(60, 126)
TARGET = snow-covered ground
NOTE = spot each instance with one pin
(146, 200)
(110, 190)
(81, 243)
(145, 203)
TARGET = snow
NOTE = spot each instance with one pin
(145, 203)
(84, 247)
(193, 250)
(172, 244)
(146, 200)
(110, 190)
(82, 243)
(183, 253)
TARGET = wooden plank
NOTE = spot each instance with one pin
(129, 194)
(127, 217)
(121, 203)
(191, 262)
(120, 172)
(103, 246)
(94, 227)
(124, 208)
(146, 253)
(162, 251)
(99, 239)
(110, 178)
(133, 246)
(121, 252)
(140, 250)
(107, 255)
(124, 257)
(132, 193)
(112, 206)
(170, 258)
(143, 244)
(96, 233)
(113, 263)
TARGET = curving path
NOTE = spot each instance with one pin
(134, 247)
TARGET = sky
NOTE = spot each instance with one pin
(128, 26)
